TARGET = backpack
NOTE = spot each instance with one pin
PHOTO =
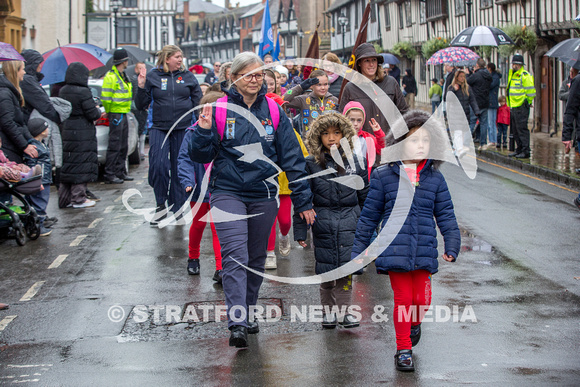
(221, 113)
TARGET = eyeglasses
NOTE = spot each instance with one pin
(248, 77)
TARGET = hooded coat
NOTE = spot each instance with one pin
(79, 141)
(494, 90)
(409, 82)
(34, 95)
(480, 85)
(337, 205)
(13, 130)
(415, 245)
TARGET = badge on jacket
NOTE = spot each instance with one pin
(305, 112)
(230, 128)
(163, 83)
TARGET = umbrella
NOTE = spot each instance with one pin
(7, 52)
(567, 51)
(481, 36)
(136, 55)
(458, 56)
(390, 59)
(56, 61)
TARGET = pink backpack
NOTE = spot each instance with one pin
(221, 113)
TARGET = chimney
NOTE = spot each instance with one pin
(186, 11)
(227, 4)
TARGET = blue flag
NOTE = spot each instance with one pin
(276, 53)
(266, 35)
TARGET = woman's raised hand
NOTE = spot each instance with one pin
(205, 117)
(142, 78)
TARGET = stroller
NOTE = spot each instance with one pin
(16, 221)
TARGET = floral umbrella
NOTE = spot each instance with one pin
(458, 56)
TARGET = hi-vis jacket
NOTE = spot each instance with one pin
(520, 87)
(116, 94)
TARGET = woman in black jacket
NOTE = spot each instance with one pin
(410, 87)
(338, 199)
(13, 130)
(79, 140)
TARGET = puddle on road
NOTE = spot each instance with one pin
(471, 242)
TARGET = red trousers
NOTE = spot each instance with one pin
(412, 296)
(196, 232)
(284, 218)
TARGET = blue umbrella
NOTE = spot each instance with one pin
(56, 61)
(390, 59)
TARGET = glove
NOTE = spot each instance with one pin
(305, 85)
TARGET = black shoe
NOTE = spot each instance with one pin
(127, 178)
(253, 327)
(513, 154)
(157, 217)
(193, 266)
(92, 196)
(404, 360)
(116, 180)
(239, 336)
(349, 321)
(577, 202)
(522, 156)
(50, 221)
(415, 334)
(217, 276)
(329, 321)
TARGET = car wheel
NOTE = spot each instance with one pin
(135, 157)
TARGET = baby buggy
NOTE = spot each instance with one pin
(16, 221)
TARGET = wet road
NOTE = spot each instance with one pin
(101, 301)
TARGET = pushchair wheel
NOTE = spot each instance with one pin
(33, 225)
(19, 233)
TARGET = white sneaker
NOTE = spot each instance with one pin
(87, 203)
(284, 245)
(270, 261)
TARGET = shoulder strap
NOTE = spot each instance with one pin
(221, 113)
(274, 112)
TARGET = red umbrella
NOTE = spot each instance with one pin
(56, 61)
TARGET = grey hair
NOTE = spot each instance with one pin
(243, 60)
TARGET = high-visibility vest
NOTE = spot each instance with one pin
(116, 94)
(519, 88)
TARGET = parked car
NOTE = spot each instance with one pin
(102, 127)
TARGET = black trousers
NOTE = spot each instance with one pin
(118, 146)
(519, 127)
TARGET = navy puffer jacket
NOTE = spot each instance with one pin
(251, 180)
(415, 246)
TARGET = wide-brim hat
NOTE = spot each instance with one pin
(367, 50)
(119, 56)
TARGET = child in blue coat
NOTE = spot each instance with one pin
(411, 258)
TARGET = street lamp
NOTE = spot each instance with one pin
(115, 6)
(343, 21)
(468, 3)
(300, 35)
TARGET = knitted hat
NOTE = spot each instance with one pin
(37, 126)
(119, 56)
(354, 105)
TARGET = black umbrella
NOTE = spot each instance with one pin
(136, 55)
(481, 36)
(567, 51)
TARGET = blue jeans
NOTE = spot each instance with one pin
(246, 241)
(434, 105)
(502, 130)
(482, 127)
(491, 124)
(39, 201)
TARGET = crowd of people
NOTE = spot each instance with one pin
(311, 126)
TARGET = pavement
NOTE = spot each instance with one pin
(547, 160)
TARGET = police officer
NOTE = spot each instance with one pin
(520, 97)
(116, 96)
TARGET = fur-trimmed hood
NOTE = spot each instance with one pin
(325, 121)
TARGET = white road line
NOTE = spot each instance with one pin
(139, 182)
(118, 199)
(5, 321)
(108, 209)
(28, 365)
(56, 263)
(95, 222)
(32, 291)
(26, 381)
(78, 240)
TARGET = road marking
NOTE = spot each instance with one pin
(139, 182)
(108, 209)
(32, 291)
(526, 175)
(56, 263)
(95, 222)
(78, 240)
(5, 321)
(118, 199)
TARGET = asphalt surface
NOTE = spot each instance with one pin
(111, 312)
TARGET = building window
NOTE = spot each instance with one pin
(250, 20)
(486, 3)
(387, 17)
(127, 30)
(401, 16)
(459, 7)
(408, 15)
(129, 3)
(373, 11)
(423, 71)
(503, 67)
(243, 24)
(437, 9)
(422, 13)
(289, 41)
